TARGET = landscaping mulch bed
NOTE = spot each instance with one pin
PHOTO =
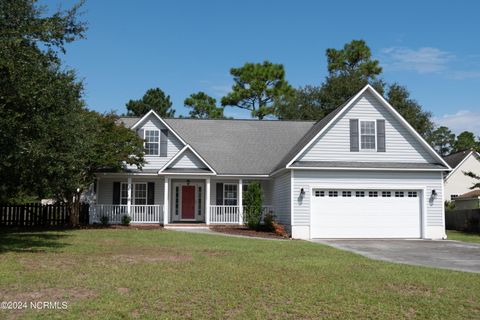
(243, 231)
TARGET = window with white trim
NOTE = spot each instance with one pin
(333, 193)
(123, 193)
(367, 135)
(373, 194)
(140, 193)
(386, 194)
(399, 194)
(152, 142)
(360, 194)
(453, 196)
(230, 194)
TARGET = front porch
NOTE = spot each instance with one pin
(170, 200)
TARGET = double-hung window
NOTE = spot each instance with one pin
(140, 193)
(367, 135)
(152, 142)
(230, 197)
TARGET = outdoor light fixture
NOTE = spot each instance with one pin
(302, 192)
(188, 182)
(434, 193)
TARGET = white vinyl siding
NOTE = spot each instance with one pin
(188, 160)
(173, 144)
(281, 198)
(334, 143)
(307, 179)
(105, 188)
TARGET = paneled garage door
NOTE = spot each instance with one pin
(337, 213)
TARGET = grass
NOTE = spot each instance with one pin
(152, 274)
(463, 236)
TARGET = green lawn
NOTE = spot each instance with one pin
(166, 274)
(463, 236)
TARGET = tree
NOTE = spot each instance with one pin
(303, 104)
(399, 98)
(256, 86)
(154, 99)
(35, 92)
(85, 143)
(51, 144)
(474, 176)
(442, 140)
(466, 140)
(349, 70)
(203, 106)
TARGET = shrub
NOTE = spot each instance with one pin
(104, 220)
(449, 205)
(252, 205)
(268, 222)
(126, 219)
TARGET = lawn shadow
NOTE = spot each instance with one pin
(14, 240)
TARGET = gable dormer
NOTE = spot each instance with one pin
(161, 143)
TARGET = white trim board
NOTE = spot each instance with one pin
(389, 108)
(179, 153)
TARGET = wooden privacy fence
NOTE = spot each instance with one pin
(35, 214)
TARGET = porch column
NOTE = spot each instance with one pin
(166, 210)
(207, 200)
(129, 195)
(240, 201)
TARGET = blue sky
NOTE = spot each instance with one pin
(183, 47)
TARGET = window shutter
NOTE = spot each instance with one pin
(381, 136)
(163, 143)
(151, 193)
(140, 133)
(116, 193)
(354, 135)
(219, 194)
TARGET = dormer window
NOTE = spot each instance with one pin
(367, 135)
(152, 141)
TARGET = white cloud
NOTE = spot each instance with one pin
(464, 120)
(423, 60)
(462, 75)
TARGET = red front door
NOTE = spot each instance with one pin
(188, 202)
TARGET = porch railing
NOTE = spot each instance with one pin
(224, 214)
(115, 212)
(230, 214)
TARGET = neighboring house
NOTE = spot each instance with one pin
(469, 200)
(360, 172)
(456, 182)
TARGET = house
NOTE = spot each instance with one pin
(360, 172)
(469, 200)
(456, 182)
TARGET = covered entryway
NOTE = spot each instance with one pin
(187, 200)
(363, 213)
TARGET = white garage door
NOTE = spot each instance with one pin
(365, 213)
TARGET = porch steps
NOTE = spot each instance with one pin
(186, 225)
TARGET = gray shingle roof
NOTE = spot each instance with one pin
(365, 165)
(454, 159)
(241, 146)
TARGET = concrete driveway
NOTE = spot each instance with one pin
(454, 255)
